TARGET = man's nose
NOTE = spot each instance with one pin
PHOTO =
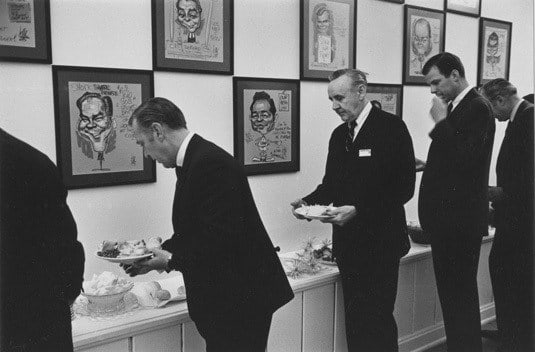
(335, 105)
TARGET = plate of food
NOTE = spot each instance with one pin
(128, 252)
(314, 212)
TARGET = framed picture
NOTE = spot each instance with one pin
(266, 124)
(494, 50)
(464, 7)
(193, 35)
(25, 31)
(388, 97)
(94, 144)
(327, 37)
(423, 38)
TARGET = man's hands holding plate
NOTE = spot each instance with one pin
(325, 213)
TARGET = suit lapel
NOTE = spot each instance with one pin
(456, 113)
(366, 129)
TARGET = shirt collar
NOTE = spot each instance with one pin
(182, 150)
(460, 97)
(515, 109)
(362, 118)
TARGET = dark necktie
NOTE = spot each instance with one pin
(450, 108)
(350, 134)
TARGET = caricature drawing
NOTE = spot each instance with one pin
(96, 127)
(189, 18)
(324, 39)
(262, 117)
(421, 45)
(493, 54)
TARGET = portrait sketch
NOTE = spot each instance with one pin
(494, 50)
(327, 37)
(387, 97)
(268, 135)
(95, 145)
(424, 38)
(193, 30)
(100, 138)
(266, 125)
(193, 35)
(25, 30)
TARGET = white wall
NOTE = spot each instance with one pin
(117, 33)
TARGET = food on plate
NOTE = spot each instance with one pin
(150, 294)
(124, 249)
(315, 210)
(324, 253)
(106, 283)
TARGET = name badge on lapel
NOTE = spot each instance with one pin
(363, 153)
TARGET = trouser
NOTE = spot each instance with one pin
(370, 289)
(511, 273)
(247, 332)
(455, 262)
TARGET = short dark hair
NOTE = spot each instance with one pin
(445, 63)
(106, 101)
(357, 76)
(158, 110)
(498, 87)
(264, 96)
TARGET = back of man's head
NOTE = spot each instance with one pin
(445, 63)
(498, 87)
(158, 110)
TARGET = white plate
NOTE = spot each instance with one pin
(125, 260)
(303, 211)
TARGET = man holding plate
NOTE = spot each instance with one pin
(233, 277)
(369, 176)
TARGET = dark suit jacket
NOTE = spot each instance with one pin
(41, 261)
(220, 244)
(454, 188)
(514, 170)
(377, 185)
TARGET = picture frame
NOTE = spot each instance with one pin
(388, 96)
(494, 50)
(395, 1)
(327, 37)
(193, 36)
(424, 36)
(94, 145)
(25, 31)
(266, 124)
(463, 7)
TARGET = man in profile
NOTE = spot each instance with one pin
(511, 256)
(453, 203)
(41, 261)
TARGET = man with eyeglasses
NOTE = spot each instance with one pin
(369, 176)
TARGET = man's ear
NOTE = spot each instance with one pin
(362, 89)
(157, 131)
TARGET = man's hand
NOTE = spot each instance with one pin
(157, 262)
(296, 204)
(341, 215)
(439, 109)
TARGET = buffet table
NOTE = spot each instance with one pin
(312, 321)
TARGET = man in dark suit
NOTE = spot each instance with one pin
(511, 257)
(369, 176)
(233, 277)
(41, 262)
(453, 202)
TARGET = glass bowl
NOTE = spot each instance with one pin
(102, 304)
